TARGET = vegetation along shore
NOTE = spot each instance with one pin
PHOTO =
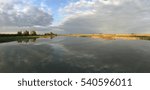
(33, 35)
(24, 35)
(131, 36)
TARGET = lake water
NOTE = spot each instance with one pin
(75, 55)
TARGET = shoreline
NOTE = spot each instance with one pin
(14, 37)
(119, 35)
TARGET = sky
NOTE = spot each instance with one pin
(75, 16)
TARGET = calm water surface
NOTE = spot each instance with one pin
(75, 55)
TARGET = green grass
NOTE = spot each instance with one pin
(9, 38)
(16, 38)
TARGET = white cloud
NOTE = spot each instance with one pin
(83, 16)
(23, 13)
(107, 16)
(81, 6)
(112, 2)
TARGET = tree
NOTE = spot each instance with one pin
(19, 33)
(46, 34)
(51, 33)
(33, 33)
(26, 33)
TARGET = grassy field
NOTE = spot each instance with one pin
(113, 36)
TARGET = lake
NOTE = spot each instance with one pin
(75, 55)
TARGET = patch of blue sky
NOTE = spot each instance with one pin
(54, 5)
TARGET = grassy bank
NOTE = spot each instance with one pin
(113, 36)
(9, 38)
(16, 38)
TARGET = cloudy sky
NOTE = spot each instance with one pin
(75, 16)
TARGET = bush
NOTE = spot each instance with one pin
(33, 33)
(26, 33)
(19, 33)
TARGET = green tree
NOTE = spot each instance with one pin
(19, 33)
(26, 33)
(33, 33)
(51, 33)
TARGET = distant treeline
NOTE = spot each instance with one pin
(20, 33)
(51, 33)
(27, 33)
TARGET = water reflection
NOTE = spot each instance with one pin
(71, 54)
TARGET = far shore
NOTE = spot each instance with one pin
(15, 37)
(113, 36)
(116, 35)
